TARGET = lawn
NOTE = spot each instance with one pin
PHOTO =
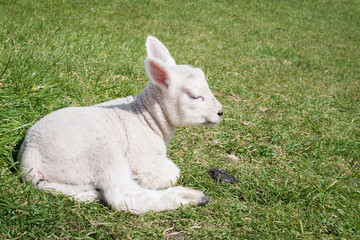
(286, 72)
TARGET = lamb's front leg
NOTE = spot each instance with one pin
(161, 174)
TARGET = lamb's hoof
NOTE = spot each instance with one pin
(203, 201)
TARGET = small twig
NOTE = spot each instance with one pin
(21, 235)
(254, 100)
(336, 181)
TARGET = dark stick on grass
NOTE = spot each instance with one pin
(221, 175)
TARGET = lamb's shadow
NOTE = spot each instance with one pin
(14, 165)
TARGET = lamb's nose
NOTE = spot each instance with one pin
(220, 113)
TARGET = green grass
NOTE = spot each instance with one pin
(286, 72)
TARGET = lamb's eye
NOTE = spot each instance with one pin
(197, 97)
(194, 95)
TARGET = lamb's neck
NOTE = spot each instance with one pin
(149, 102)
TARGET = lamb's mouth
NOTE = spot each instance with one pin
(209, 123)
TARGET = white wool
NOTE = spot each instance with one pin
(116, 151)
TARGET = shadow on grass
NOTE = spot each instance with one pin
(14, 165)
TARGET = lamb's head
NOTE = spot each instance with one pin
(185, 94)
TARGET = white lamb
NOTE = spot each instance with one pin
(116, 151)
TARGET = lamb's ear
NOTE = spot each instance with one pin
(156, 49)
(158, 73)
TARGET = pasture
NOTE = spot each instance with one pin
(286, 72)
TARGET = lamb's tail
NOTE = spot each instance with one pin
(28, 160)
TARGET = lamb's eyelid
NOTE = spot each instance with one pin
(202, 98)
(192, 93)
(197, 97)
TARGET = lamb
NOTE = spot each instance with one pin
(115, 152)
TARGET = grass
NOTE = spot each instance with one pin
(286, 72)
